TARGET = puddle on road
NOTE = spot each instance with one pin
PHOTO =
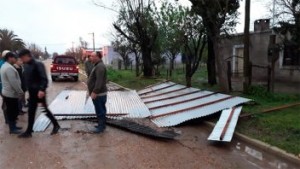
(261, 159)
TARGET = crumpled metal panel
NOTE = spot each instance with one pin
(221, 126)
(175, 119)
(157, 87)
(122, 102)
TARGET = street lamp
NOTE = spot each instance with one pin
(93, 34)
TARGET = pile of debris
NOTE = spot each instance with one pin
(165, 104)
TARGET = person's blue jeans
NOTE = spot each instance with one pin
(100, 108)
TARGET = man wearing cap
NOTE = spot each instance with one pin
(2, 61)
(36, 82)
(11, 91)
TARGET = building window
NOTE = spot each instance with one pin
(291, 55)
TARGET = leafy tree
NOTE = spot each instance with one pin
(288, 17)
(219, 17)
(135, 23)
(170, 19)
(194, 44)
(10, 41)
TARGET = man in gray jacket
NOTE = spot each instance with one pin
(98, 90)
(11, 91)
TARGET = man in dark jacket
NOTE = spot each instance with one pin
(36, 83)
(98, 90)
(88, 66)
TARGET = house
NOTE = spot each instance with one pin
(287, 66)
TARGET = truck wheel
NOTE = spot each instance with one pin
(75, 79)
(53, 78)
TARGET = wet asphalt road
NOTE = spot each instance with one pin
(117, 149)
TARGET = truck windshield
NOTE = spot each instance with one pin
(65, 61)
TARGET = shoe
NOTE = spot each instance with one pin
(55, 129)
(97, 130)
(18, 128)
(14, 131)
(25, 135)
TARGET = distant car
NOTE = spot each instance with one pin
(64, 67)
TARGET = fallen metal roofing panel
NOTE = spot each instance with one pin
(136, 127)
(176, 104)
(172, 89)
(66, 102)
(224, 129)
(172, 95)
(156, 87)
(74, 105)
(172, 119)
(187, 105)
(122, 102)
(177, 100)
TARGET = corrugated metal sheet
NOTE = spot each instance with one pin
(224, 129)
(172, 108)
(119, 104)
(154, 88)
(122, 102)
(66, 102)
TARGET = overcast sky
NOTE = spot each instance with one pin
(57, 23)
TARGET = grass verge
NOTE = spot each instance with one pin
(280, 128)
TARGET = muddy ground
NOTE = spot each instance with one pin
(118, 149)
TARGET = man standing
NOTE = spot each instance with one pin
(98, 90)
(19, 67)
(36, 83)
(11, 91)
(88, 66)
(3, 106)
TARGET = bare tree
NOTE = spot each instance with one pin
(194, 44)
(136, 24)
(36, 50)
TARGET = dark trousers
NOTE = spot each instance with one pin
(12, 109)
(32, 106)
(100, 108)
(3, 106)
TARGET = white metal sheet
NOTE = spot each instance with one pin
(122, 102)
(219, 127)
(178, 99)
(177, 118)
(187, 105)
(156, 87)
(158, 92)
(165, 96)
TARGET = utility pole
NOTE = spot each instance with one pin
(247, 64)
(93, 34)
(273, 13)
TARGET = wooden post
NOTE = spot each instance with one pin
(269, 78)
(229, 73)
(246, 82)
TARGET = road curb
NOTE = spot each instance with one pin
(264, 146)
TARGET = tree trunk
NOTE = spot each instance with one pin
(211, 63)
(188, 72)
(221, 67)
(137, 66)
(147, 62)
(246, 47)
(171, 66)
